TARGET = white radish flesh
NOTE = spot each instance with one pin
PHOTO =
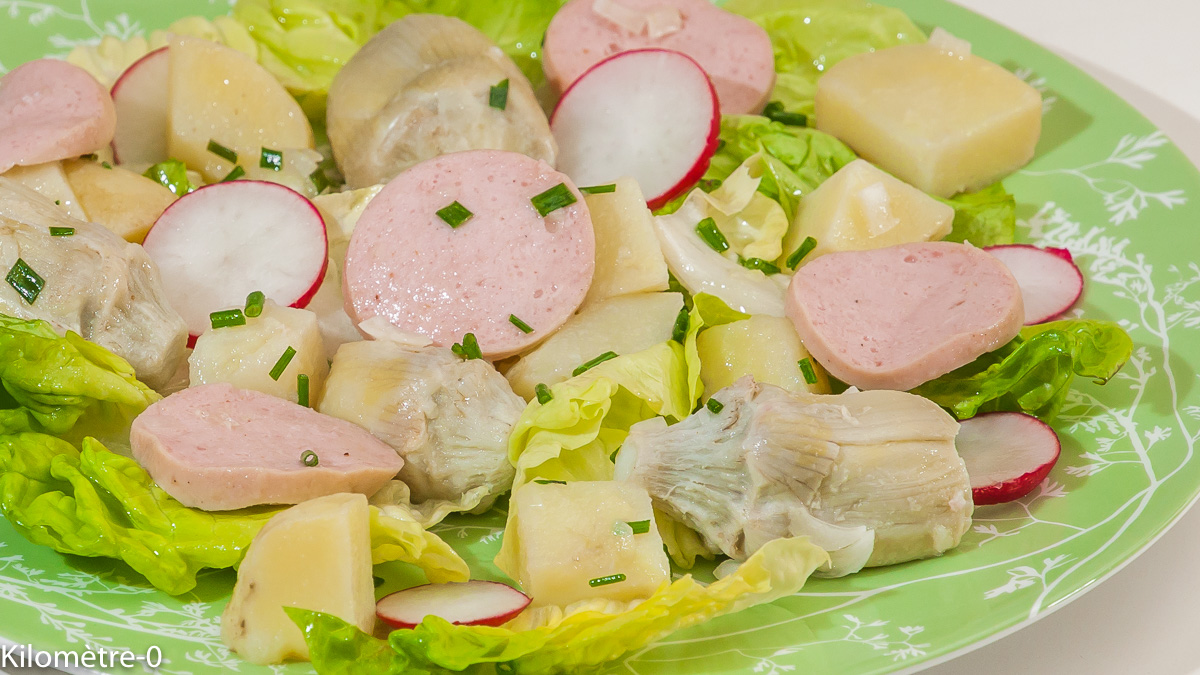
(471, 603)
(651, 114)
(1007, 455)
(215, 246)
(1049, 279)
(140, 98)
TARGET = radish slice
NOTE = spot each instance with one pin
(140, 98)
(471, 603)
(1049, 279)
(215, 246)
(648, 113)
(1007, 455)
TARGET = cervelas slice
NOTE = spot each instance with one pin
(215, 447)
(896, 317)
(51, 110)
(494, 258)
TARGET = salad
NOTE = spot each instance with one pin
(664, 281)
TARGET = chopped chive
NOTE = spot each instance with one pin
(714, 406)
(319, 180)
(525, 328)
(775, 112)
(679, 331)
(309, 458)
(606, 356)
(62, 231)
(254, 303)
(106, 165)
(605, 581)
(806, 368)
(599, 189)
(226, 318)
(25, 281)
(557, 197)
(759, 264)
(302, 389)
(58, 202)
(237, 173)
(271, 159)
(543, 394)
(498, 95)
(545, 481)
(707, 229)
(222, 151)
(468, 348)
(799, 254)
(281, 365)
(639, 526)
(455, 214)
(90, 157)
(710, 184)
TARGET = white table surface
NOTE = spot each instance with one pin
(1146, 618)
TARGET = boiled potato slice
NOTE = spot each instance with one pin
(628, 257)
(125, 202)
(315, 555)
(245, 355)
(763, 347)
(215, 93)
(942, 120)
(50, 181)
(860, 208)
(624, 324)
(559, 556)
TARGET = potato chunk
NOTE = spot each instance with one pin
(215, 93)
(50, 181)
(944, 122)
(245, 355)
(570, 535)
(125, 202)
(628, 256)
(316, 556)
(624, 324)
(860, 208)
(763, 347)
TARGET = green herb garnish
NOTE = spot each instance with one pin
(801, 252)
(707, 229)
(606, 356)
(468, 348)
(309, 458)
(543, 394)
(62, 231)
(524, 327)
(302, 389)
(237, 173)
(498, 95)
(775, 112)
(679, 330)
(254, 303)
(759, 264)
(222, 151)
(599, 189)
(639, 526)
(806, 368)
(714, 406)
(226, 318)
(605, 581)
(557, 197)
(25, 281)
(106, 165)
(271, 159)
(455, 214)
(281, 365)
(545, 481)
(319, 180)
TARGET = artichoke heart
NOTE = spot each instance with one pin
(872, 477)
(448, 418)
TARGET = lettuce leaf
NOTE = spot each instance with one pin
(810, 36)
(396, 534)
(64, 385)
(1033, 373)
(553, 640)
(95, 503)
(986, 217)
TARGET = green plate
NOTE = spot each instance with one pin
(1106, 184)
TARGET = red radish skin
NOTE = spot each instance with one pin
(674, 86)
(216, 245)
(1007, 455)
(140, 98)
(470, 603)
(1050, 281)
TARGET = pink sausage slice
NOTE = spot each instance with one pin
(408, 265)
(216, 448)
(894, 318)
(734, 51)
(51, 110)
